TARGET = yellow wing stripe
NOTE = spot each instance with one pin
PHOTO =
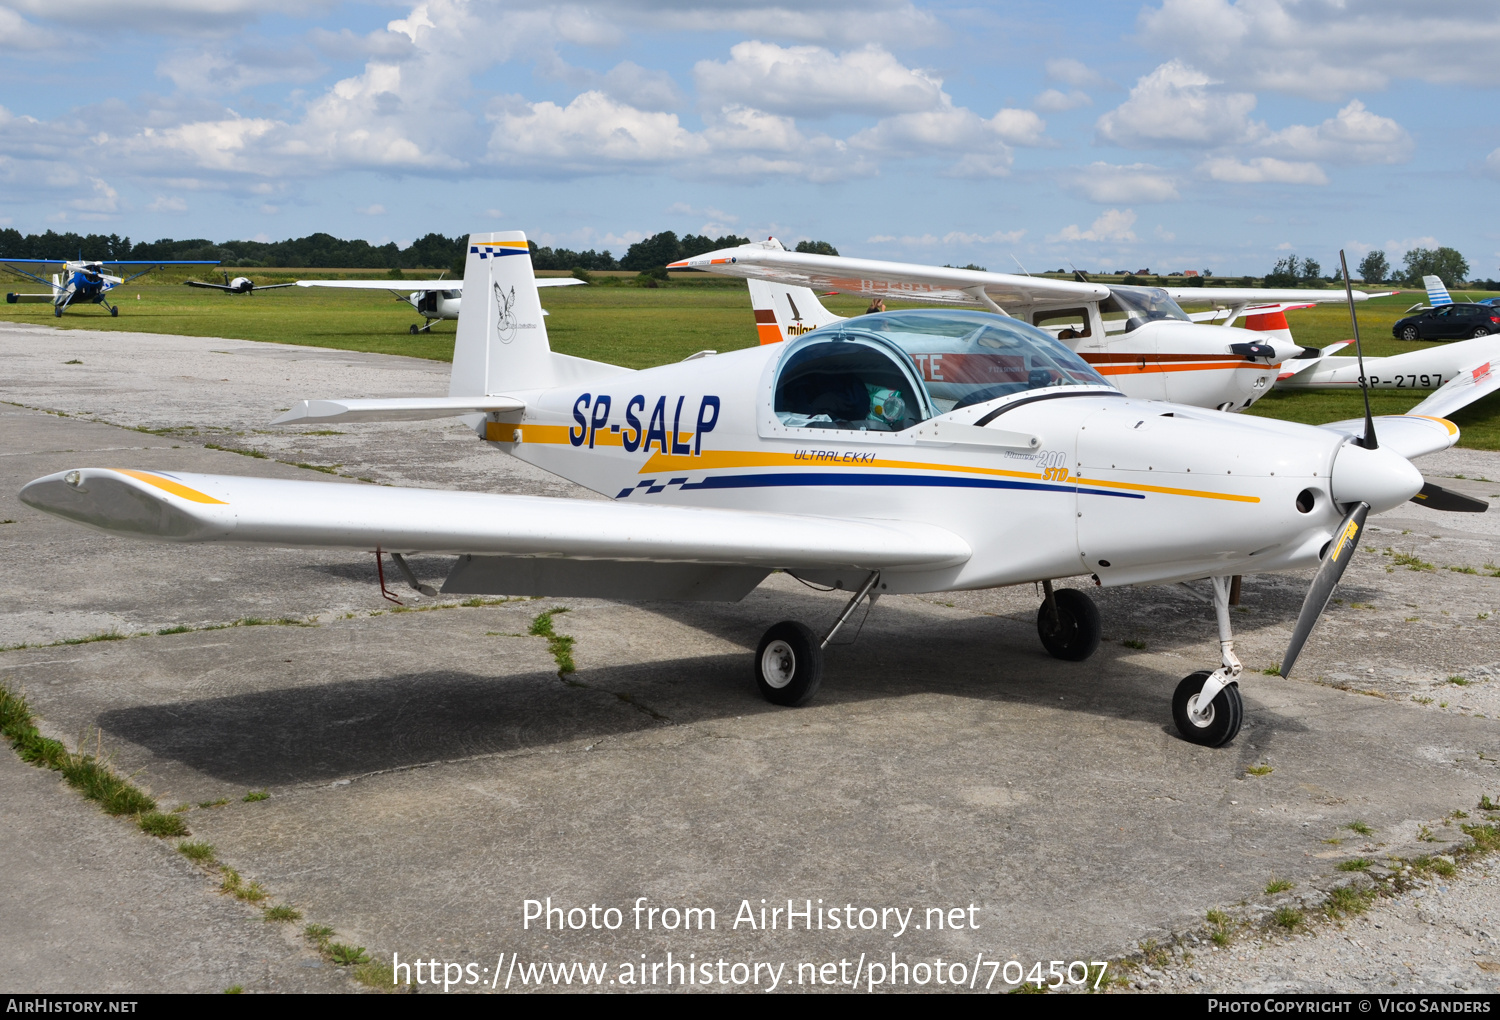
(1452, 428)
(166, 484)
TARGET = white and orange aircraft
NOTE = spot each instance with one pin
(834, 457)
(1136, 337)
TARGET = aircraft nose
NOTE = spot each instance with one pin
(1380, 477)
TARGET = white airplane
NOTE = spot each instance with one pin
(1459, 373)
(831, 457)
(434, 300)
(239, 285)
(1137, 337)
(84, 281)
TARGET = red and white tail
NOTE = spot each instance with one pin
(782, 311)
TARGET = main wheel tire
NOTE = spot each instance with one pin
(115, 312)
(1411, 333)
(788, 664)
(1224, 716)
(413, 329)
(1479, 332)
(1074, 635)
(56, 312)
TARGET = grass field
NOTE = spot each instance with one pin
(637, 327)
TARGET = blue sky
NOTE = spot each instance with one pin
(1176, 134)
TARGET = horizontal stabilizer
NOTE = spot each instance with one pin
(416, 285)
(393, 409)
(181, 507)
(1410, 435)
(1461, 391)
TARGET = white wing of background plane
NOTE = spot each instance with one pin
(938, 284)
(655, 551)
(1230, 296)
(1459, 392)
(409, 286)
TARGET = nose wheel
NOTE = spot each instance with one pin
(1068, 624)
(1214, 724)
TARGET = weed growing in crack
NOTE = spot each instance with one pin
(282, 912)
(560, 645)
(1289, 918)
(162, 825)
(1355, 864)
(1277, 885)
(198, 851)
(1360, 827)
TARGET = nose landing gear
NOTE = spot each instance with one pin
(1207, 707)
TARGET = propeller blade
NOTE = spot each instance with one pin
(1435, 497)
(1340, 553)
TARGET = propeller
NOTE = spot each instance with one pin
(1368, 440)
(1435, 497)
(1340, 554)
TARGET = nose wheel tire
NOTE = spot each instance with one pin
(1074, 634)
(1411, 333)
(1214, 728)
(788, 664)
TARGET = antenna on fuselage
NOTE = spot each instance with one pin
(1368, 442)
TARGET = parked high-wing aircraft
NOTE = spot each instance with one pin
(239, 285)
(835, 457)
(84, 281)
(434, 300)
(1137, 337)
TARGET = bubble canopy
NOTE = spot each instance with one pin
(887, 371)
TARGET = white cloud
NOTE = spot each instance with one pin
(100, 199)
(1330, 49)
(1114, 225)
(1053, 101)
(208, 71)
(1492, 163)
(998, 237)
(1075, 73)
(1354, 135)
(164, 203)
(1263, 170)
(1108, 183)
(1175, 105)
(16, 33)
(214, 145)
(371, 210)
(809, 81)
(641, 87)
(591, 128)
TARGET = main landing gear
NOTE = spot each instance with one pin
(414, 329)
(1068, 624)
(789, 658)
(1206, 706)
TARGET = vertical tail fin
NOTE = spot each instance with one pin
(1437, 294)
(501, 343)
(782, 311)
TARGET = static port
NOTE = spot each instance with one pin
(1306, 500)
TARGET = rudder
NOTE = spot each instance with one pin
(501, 341)
(782, 311)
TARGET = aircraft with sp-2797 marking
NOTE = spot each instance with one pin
(832, 457)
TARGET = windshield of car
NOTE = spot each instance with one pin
(965, 357)
(1139, 305)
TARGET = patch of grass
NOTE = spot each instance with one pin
(1421, 701)
(319, 935)
(323, 432)
(1463, 570)
(1277, 885)
(1289, 918)
(325, 468)
(108, 635)
(1486, 837)
(162, 825)
(1360, 827)
(560, 645)
(346, 956)
(1427, 863)
(373, 974)
(1459, 681)
(236, 887)
(1347, 901)
(1425, 835)
(282, 912)
(181, 628)
(232, 449)
(213, 803)
(1356, 864)
(1273, 671)
(235, 990)
(1485, 804)
(1259, 770)
(75, 361)
(198, 851)
(1220, 927)
(1133, 643)
(1481, 616)
(255, 795)
(1411, 561)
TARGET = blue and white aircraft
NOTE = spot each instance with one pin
(83, 281)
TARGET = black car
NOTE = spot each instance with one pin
(1449, 322)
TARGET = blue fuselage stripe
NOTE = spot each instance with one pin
(933, 481)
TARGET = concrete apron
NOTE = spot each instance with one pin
(431, 771)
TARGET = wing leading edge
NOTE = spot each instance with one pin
(179, 507)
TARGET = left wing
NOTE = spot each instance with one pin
(1461, 391)
(1410, 435)
(509, 544)
(209, 286)
(768, 260)
(409, 286)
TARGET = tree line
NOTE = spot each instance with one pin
(1445, 263)
(324, 251)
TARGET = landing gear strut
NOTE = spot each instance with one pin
(789, 658)
(414, 329)
(1207, 707)
(1068, 624)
